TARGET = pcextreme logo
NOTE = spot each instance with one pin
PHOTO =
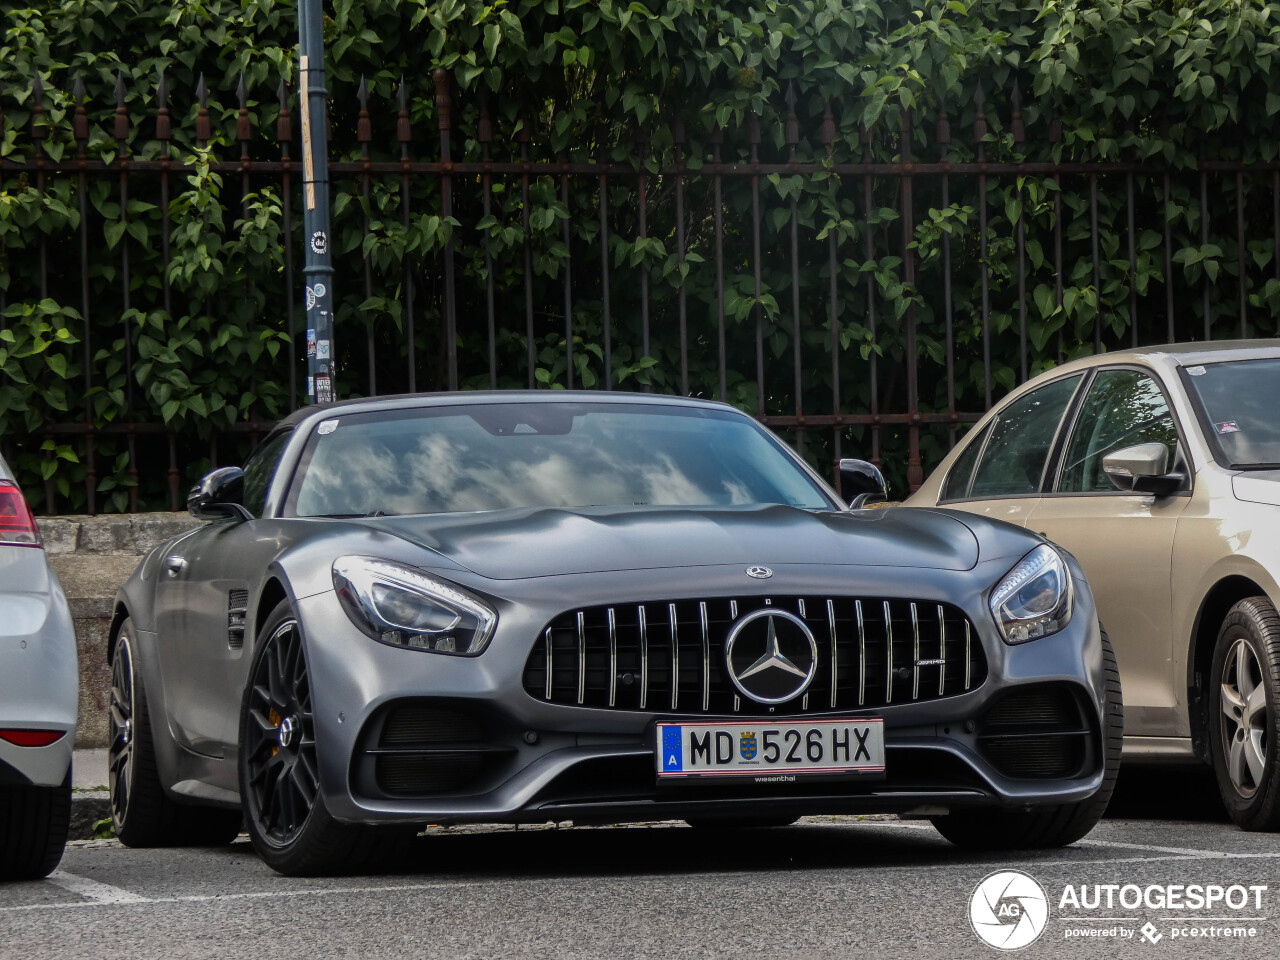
(1008, 910)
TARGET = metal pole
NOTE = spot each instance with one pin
(318, 272)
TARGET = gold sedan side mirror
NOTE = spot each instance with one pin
(1142, 468)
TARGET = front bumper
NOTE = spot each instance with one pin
(39, 677)
(534, 761)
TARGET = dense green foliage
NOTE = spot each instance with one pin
(1157, 82)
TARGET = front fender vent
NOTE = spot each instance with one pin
(237, 611)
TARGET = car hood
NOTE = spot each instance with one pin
(516, 544)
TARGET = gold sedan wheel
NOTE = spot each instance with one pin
(1244, 719)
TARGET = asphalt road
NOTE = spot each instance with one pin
(822, 888)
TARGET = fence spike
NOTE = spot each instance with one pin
(162, 109)
(1055, 127)
(122, 115)
(243, 127)
(753, 129)
(828, 125)
(791, 128)
(864, 135)
(943, 130)
(444, 102)
(1016, 125)
(485, 131)
(403, 131)
(202, 113)
(678, 133)
(80, 124)
(979, 118)
(37, 110)
(284, 123)
(364, 127)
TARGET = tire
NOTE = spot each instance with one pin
(33, 829)
(142, 814)
(284, 807)
(1244, 714)
(1053, 825)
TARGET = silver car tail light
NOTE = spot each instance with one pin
(17, 525)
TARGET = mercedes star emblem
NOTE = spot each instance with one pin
(760, 573)
(771, 656)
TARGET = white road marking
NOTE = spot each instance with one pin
(104, 895)
(114, 896)
(1185, 851)
(92, 890)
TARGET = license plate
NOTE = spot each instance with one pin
(780, 749)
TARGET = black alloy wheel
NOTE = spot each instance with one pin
(142, 813)
(279, 742)
(120, 730)
(280, 790)
(1244, 719)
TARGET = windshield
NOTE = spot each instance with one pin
(494, 456)
(1238, 403)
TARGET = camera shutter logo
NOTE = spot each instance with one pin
(1008, 910)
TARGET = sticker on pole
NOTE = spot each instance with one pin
(319, 243)
(319, 289)
(324, 390)
(311, 298)
(311, 343)
(322, 349)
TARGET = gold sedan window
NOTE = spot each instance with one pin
(1123, 408)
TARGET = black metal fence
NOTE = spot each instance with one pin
(865, 292)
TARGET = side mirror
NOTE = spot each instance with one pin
(1142, 468)
(219, 494)
(862, 484)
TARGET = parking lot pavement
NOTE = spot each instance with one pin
(826, 887)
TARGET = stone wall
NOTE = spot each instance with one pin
(92, 557)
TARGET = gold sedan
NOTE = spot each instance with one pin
(1160, 470)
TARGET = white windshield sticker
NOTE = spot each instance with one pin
(327, 427)
(1195, 371)
(1228, 427)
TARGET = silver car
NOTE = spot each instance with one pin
(38, 684)
(521, 607)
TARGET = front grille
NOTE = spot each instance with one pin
(1035, 734)
(668, 656)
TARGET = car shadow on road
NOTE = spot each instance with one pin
(1186, 793)
(507, 852)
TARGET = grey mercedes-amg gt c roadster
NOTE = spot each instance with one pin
(523, 607)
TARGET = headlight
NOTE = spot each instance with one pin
(1034, 598)
(404, 607)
